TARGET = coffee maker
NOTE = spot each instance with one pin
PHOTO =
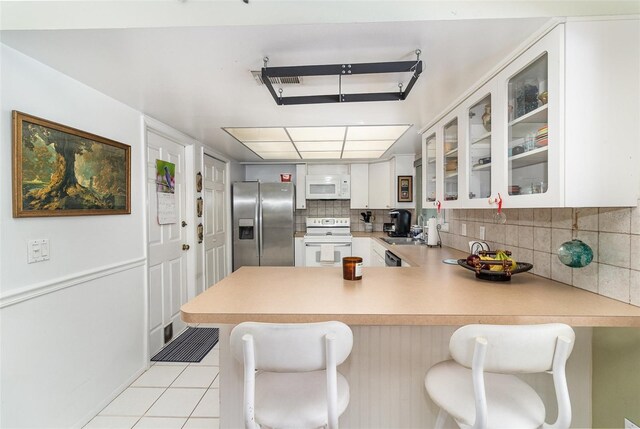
(401, 220)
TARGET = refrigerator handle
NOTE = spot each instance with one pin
(260, 235)
(258, 219)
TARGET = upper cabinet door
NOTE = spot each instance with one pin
(359, 186)
(450, 160)
(429, 175)
(532, 125)
(480, 147)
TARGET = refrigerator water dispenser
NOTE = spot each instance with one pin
(246, 229)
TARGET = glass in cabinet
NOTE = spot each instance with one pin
(479, 138)
(450, 160)
(429, 166)
(528, 133)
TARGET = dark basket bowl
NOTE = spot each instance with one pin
(496, 276)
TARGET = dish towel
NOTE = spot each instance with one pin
(326, 253)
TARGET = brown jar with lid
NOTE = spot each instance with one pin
(352, 268)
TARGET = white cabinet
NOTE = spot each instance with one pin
(429, 176)
(380, 189)
(299, 251)
(373, 186)
(359, 186)
(529, 126)
(377, 254)
(301, 186)
(361, 246)
(562, 132)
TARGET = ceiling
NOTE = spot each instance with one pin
(197, 78)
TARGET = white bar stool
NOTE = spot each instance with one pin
(297, 384)
(495, 398)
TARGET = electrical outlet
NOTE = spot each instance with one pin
(482, 233)
(628, 424)
(463, 229)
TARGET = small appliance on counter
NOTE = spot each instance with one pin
(401, 220)
(388, 227)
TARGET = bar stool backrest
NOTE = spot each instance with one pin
(511, 348)
(296, 347)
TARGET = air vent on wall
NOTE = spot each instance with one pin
(288, 80)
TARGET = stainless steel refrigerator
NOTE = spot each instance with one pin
(263, 224)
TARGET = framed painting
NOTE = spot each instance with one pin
(62, 171)
(405, 189)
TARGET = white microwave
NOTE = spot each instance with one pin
(328, 187)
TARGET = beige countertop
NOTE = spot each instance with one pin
(428, 293)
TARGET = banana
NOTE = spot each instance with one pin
(500, 256)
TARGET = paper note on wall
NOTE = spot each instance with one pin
(166, 208)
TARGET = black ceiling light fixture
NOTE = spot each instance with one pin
(346, 69)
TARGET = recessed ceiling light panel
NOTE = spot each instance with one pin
(320, 155)
(258, 134)
(316, 133)
(376, 132)
(331, 142)
(279, 155)
(318, 146)
(260, 147)
(368, 144)
(362, 154)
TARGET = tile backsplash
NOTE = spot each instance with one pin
(534, 235)
(341, 208)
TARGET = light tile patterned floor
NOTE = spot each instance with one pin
(167, 396)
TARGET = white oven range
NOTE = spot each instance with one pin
(327, 241)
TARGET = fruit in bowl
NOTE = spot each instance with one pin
(493, 261)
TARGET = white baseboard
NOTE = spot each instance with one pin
(94, 412)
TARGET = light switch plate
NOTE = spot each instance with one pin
(628, 424)
(482, 229)
(463, 229)
(37, 250)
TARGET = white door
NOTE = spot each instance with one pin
(167, 259)
(216, 253)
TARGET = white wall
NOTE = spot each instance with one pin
(269, 172)
(72, 328)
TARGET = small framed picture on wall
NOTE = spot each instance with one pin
(405, 189)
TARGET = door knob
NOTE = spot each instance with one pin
(184, 224)
(185, 247)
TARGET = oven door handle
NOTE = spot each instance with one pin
(334, 245)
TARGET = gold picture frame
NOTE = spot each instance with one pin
(62, 171)
(405, 189)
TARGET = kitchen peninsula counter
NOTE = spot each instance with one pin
(427, 293)
(402, 319)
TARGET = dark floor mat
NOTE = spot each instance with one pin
(191, 346)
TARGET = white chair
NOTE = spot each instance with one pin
(297, 384)
(477, 389)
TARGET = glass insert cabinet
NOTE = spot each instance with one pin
(549, 128)
(528, 129)
(502, 139)
(479, 137)
(429, 168)
(450, 160)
